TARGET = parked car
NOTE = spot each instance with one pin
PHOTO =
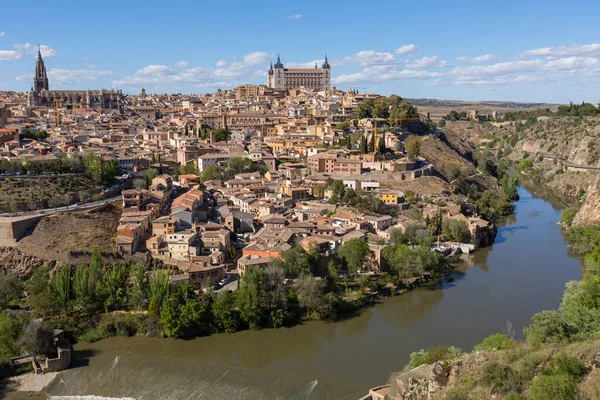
(225, 280)
(216, 287)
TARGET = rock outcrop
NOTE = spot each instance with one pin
(421, 383)
(589, 213)
(17, 262)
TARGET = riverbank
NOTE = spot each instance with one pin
(342, 360)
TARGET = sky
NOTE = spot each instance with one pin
(534, 51)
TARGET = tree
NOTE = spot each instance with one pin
(338, 188)
(354, 252)
(493, 204)
(381, 144)
(159, 287)
(454, 172)
(222, 135)
(150, 174)
(61, 282)
(83, 195)
(509, 186)
(38, 339)
(115, 282)
(363, 144)
(310, 292)
(456, 230)
(249, 296)
(225, 318)
(189, 168)
(186, 131)
(139, 184)
(210, 173)
(412, 145)
(344, 126)
(10, 288)
(295, 262)
(137, 286)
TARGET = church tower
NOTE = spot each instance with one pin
(40, 80)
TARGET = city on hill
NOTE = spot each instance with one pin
(265, 206)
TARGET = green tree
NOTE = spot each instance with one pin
(493, 204)
(61, 282)
(248, 299)
(226, 318)
(310, 293)
(412, 145)
(354, 252)
(210, 173)
(115, 283)
(363, 144)
(338, 188)
(10, 288)
(138, 286)
(159, 287)
(295, 262)
(456, 230)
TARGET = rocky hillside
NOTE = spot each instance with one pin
(68, 238)
(514, 373)
(574, 140)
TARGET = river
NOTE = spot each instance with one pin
(524, 272)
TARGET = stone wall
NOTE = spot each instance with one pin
(13, 229)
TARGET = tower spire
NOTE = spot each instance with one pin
(39, 52)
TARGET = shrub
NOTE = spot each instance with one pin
(568, 214)
(430, 356)
(590, 389)
(565, 365)
(503, 379)
(546, 326)
(498, 341)
(555, 387)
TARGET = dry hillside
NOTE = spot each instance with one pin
(68, 238)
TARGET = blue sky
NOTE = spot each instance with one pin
(533, 50)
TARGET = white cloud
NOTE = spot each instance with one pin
(522, 66)
(368, 57)
(257, 57)
(46, 51)
(26, 49)
(427, 62)
(478, 59)
(1, 33)
(381, 73)
(571, 63)
(410, 49)
(10, 55)
(154, 69)
(308, 64)
(182, 64)
(499, 80)
(226, 74)
(295, 16)
(564, 51)
(66, 76)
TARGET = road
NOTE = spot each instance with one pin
(74, 207)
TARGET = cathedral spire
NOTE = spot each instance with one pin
(278, 64)
(39, 52)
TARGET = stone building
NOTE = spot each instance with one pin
(40, 95)
(291, 78)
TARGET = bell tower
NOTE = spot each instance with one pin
(40, 79)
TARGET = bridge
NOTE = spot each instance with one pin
(567, 163)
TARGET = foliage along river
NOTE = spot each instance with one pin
(525, 271)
